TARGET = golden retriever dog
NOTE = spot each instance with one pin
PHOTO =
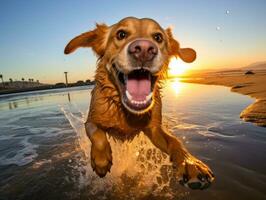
(133, 57)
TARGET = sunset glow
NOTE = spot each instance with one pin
(177, 67)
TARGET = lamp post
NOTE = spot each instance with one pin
(66, 78)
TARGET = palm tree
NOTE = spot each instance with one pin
(11, 81)
(23, 83)
(1, 76)
(30, 82)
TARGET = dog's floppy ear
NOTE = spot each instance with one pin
(186, 54)
(96, 39)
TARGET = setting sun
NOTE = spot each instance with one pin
(177, 67)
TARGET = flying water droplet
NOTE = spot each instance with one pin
(227, 12)
(218, 28)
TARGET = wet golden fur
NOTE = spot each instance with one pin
(107, 113)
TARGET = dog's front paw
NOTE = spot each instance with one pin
(194, 174)
(101, 159)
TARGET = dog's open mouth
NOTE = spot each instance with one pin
(137, 89)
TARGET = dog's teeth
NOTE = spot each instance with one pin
(138, 102)
(128, 95)
(149, 97)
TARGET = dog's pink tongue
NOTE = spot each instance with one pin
(139, 88)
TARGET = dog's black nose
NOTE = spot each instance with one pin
(143, 50)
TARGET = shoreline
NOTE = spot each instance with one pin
(39, 88)
(251, 85)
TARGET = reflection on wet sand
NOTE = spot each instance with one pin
(68, 97)
(22, 102)
(30, 100)
(177, 86)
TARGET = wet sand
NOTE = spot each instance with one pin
(253, 85)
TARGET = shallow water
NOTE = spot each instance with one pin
(45, 154)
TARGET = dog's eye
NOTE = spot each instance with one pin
(120, 35)
(158, 37)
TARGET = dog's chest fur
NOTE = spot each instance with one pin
(107, 112)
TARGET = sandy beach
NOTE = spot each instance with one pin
(253, 85)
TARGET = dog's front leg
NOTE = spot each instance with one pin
(191, 172)
(101, 153)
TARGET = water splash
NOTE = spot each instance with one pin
(139, 169)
